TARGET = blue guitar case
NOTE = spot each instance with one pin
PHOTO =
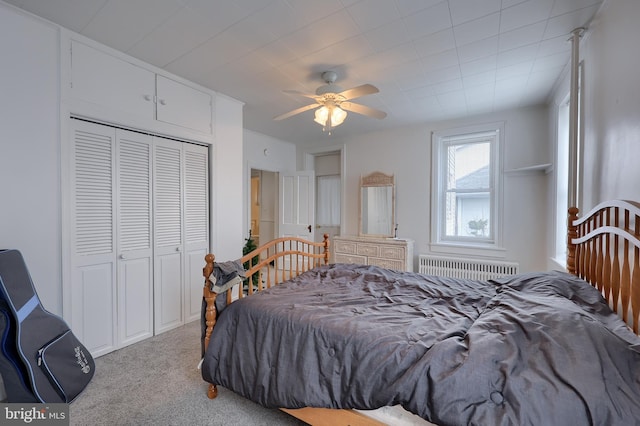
(13, 372)
(42, 360)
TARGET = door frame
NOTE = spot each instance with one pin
(250, 165)
(308, 159)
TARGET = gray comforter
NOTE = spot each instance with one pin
(533, 349)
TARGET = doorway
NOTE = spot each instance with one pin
(264, 187)
(328, 203)
(264, 199)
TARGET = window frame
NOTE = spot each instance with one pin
(561, 183)
(491, 246)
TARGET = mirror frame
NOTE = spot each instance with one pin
(377, 179)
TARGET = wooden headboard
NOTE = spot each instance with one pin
(604, 250)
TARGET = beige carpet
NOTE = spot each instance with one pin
(156, 382)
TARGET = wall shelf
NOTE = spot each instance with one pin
(535, 169)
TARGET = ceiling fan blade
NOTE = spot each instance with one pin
(364, 110)
(297, 92)
(296, 111)
(356, 92)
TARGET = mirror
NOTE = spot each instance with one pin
(377, 205)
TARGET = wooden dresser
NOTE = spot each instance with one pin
(389, 253)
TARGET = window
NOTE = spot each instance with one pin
(466, 197)
(562, 183)
(328, 200)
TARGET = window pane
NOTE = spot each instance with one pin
(468, 166)
(468, 215)
(562, 182)
(328, 206)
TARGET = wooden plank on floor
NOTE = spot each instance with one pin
(332, 417)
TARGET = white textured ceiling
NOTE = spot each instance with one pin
(431, 59)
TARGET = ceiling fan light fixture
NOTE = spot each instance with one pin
(322, 115)
(337, 116)
(330, 116)
(332, 103)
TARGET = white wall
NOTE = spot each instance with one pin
(611, 108)
(612, 104)
(30, 149)
(279, 156)
(227, 169)
(406, 153)
(30, 155)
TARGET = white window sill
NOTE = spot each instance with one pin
(556, 263)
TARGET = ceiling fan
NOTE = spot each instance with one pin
(333, 103)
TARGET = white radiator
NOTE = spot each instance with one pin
(474, 269)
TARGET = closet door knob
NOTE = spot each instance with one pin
(147, 97)
(163, 102)
(178, 249)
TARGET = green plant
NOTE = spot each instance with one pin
(478, 226)
(249, 246)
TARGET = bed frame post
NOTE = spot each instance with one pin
(326, 248)
(572, 232)
(210, 312)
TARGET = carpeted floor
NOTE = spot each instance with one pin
(156, 382)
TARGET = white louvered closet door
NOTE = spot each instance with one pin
(134, 236)
(93, 256)
(168, 235)
(196, 225)
(140, 231)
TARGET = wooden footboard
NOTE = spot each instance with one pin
(604, 249)
(273, 263)
(268, 265)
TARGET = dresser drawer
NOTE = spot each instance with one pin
(391, 252)
(388, 253)
(398, 265)
(368, 250)
(348, 247)
(349, 258)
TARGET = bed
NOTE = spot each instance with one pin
(328, 342)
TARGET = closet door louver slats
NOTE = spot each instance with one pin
(135, 198)
(196, 208)
(93, 193)
(168, 182)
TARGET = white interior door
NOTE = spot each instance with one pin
(168, 237)
(93, 251)
(196, 225)
(297, 207)
(134, 236)
(140, 231)
(297, 202)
